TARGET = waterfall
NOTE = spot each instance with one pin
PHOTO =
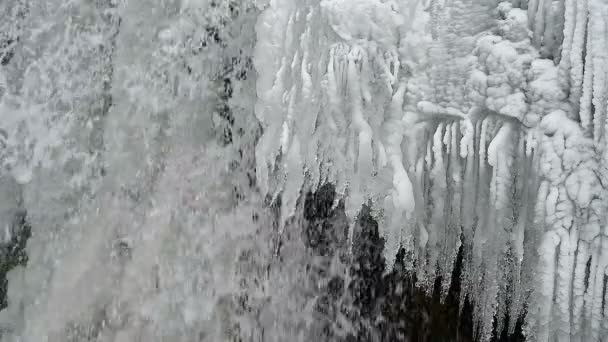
(267, 170)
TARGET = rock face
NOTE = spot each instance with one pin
(15, 232)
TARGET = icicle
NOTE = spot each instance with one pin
(517, 235)
(341, 62)
(558, 21)
(576, 56)
(447, 138)
(569, 24)
(437, 221)
(332, 80)
(306, 79)
(288, 40)
(539, 22)
(498, 143)
(288, 121)
(401, 181)
(589, 295)
(533, 8)
(547, 252)
(364, 131)
(586, 98)
(294, 180)
(382, 156)
(468, 134)
(428, 159)
(455, 155)
(549, 27)
(596, 297)
(447, 241)
(334, 92)
(402, 193)
(530, 143)
(392, 59)
(526, 187)
(366, 77)
(470, 180)
(492, 237)
(598, 32)
(481, 210)
(454, 218)
(564, 282)
(578, 288)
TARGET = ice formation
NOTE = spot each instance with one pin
(468, 122)
(473, 125)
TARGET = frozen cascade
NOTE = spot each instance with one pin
(162, 153)
(480, 160)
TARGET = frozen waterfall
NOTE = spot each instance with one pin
(302, 170)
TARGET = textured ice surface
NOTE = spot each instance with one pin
(473, 113)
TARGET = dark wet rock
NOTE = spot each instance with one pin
(12, 252)
(14, 232)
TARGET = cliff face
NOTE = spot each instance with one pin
(296, 169)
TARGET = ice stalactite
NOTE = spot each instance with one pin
(481, 190)
(494, 141)
(348, 124)
(596, 71)
(575, 65)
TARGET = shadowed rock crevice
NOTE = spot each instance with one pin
(14, 232)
